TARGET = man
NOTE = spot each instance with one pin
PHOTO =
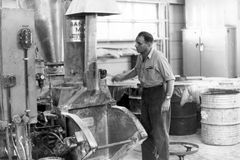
(157, 80)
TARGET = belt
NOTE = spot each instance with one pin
(153, 87)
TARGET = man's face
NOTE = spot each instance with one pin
(141, 45)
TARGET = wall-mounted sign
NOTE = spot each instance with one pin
(75, 30)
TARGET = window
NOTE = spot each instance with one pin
(136, 16)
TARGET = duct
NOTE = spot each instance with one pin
(48, 25)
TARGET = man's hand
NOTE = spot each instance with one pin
(166, 105)
(116, 78)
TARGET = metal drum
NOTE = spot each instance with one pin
(183, 118)
(220, 111)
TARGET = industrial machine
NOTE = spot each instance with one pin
(51, 109)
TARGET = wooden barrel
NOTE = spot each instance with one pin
(220, 117)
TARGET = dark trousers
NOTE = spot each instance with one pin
(156, 124)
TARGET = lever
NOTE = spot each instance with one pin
(25, 41)
(9, 81)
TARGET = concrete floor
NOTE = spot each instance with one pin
(205, 152)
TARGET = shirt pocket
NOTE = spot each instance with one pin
(150, 73)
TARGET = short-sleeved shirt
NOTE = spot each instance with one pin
(155, 70)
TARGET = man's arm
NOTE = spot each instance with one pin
(169, 91)
(124, 76)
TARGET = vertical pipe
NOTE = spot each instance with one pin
(3, 112)
(90, 57)
(27, 127)
(26, 79)
(9, 120)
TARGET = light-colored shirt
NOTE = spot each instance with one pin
(155, 70)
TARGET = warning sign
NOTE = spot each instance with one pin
(75, 30)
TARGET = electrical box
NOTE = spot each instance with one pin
(12, 63)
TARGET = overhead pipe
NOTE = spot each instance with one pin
(49, 27)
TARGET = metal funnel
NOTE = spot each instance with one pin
(48, 25)
(102, 8)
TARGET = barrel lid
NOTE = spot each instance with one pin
(216, 91)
